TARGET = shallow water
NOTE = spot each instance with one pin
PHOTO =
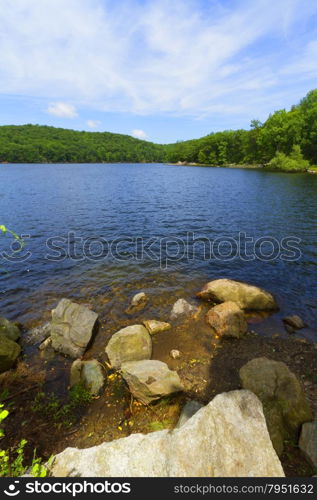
(155, 201)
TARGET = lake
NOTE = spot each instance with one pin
(96, 230)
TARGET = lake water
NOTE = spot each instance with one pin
(157, 210)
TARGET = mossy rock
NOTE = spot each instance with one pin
(9, 329)
(9, 352)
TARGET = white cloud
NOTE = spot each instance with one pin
(62, 110)
(93, 123)
(192, 57)
(139, 134)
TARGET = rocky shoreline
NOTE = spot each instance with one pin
(139, 388)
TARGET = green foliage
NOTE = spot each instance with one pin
(292, 162)
(42, 144)
(259, 145)
(5, 230)
(12, 461)
(50, 407)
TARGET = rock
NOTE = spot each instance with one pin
(72, 328)
(154, 326)
(46, 344)
(244, 295)
(227, 320)
(139, 298)
(9, 352)
(88, 373)
(308, 442)
(10, 330)
(226, 438)
(138, 303)
(175, 354)
(132, 343)
(150, 380)
(183, 308)
(295, 322)
(284, 403)
(39, 334)
(189, 410)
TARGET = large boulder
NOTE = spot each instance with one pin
(9, 329)
(90, 374)
(132, 343)
(182, 308)
(72, 328)
(150, 380)
(9, 352)
(227, 320)
(308, 442)
(244, 295)
(226, 438)
(154, 326)
(284, 403)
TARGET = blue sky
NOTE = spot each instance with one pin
(156, 69)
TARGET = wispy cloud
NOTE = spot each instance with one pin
(191, 57)
(62, 109)
(93, 123)
(139, 134)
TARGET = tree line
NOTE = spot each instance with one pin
(286, 140)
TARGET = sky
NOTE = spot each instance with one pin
(160, 70)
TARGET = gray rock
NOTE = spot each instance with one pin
(150, 380)
(132, 343)
(227, 320)
(294, 322)
(183, 308)
(9, 329)
(284, 403)
(244, 295)
(226, 438)
(38, 334)
(154, 326)
(189, 410)
(308, 442)
(72, 328)
(90, 374)
(9, 352)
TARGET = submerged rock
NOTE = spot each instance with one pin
(90, 374)
(244, 295)
(9, 329)
(308, 442)
(227, 320)
(295, 322)
(154, 326)
(226, 438)
(72, 328)
(175, 354)
(284, 403)
(183, 308)
(189, 410)
(150, 380)
(138, 303)
(132, 343)
(9, 352)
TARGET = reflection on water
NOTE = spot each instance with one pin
(113, 201)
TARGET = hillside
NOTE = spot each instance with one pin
(41, 144)
(280, 133)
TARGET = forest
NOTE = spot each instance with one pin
(287, 140)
